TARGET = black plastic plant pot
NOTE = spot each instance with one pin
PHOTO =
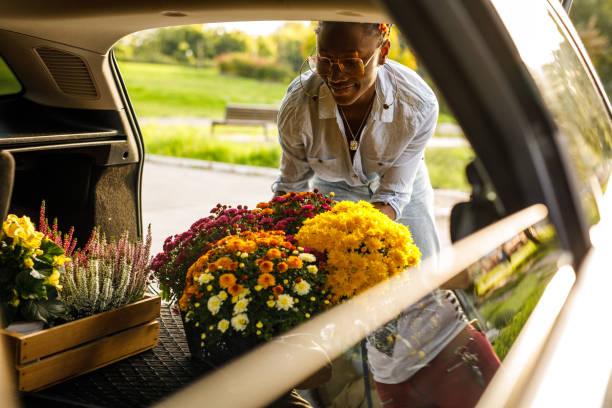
(216, 354)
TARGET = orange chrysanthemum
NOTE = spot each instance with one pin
(266, 280)
(294, 262)
(226, 280)
(248, 246)
(235, 290)
(282, 267)
(278, 290)
(226, 263)
(273, 253)
(266, 266)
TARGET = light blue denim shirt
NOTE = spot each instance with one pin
(391, 146)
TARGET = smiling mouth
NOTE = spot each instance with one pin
(338, 89)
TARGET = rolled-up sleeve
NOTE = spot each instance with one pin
(396, 183)
(295, 172)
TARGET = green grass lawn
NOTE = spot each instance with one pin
(158, 90)
(446, 165)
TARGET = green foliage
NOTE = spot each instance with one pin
(508, 334)
(193, 142)
(172, 90)
(248, 66)
(293, 41)
(593, 20)
(190, 45)
(400, 51)
(447, 166)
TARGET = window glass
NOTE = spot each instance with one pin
(179, 80)
(8, 83)
(569, 92)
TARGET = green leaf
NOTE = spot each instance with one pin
(50, 248)
(26, 285)
(32, 311)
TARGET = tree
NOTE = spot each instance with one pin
(291, 40)
(593, 20)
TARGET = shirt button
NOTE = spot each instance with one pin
(380, 163)
(320, 161)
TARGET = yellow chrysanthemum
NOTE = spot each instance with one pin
(363, 246)
(223, 325)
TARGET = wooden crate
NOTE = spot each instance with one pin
(53, 355)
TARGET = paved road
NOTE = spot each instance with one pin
(175, 194)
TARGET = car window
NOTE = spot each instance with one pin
(507, 281)
(8, 82)
(568, 90)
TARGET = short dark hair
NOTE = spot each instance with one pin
(369, 28)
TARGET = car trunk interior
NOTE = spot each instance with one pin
(74, 160)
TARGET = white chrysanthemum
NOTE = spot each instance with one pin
(240, 322)
(308, 257)
(284, 302)
(301, 288)
(214, 304)
(223, 325)
(204, 278)
(241, 306)
(312, 269)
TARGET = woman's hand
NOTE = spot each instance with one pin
(385, 209)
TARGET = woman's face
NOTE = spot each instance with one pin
(349, 41)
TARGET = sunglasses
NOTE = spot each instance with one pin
(353, 66)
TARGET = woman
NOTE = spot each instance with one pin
(358, 127)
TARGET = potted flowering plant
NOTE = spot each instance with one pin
(31, 265)
(247, 289)
(97, 294)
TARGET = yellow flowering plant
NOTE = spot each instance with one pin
(362, 247)
(30, 268)
(247, 289)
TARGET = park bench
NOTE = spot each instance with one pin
(248, 115)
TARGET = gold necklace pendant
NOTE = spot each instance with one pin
(354, 145)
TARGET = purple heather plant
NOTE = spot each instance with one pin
(105, 274)
(65, 241)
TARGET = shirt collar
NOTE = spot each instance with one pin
(385, 94)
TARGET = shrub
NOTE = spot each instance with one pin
(248, 66)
